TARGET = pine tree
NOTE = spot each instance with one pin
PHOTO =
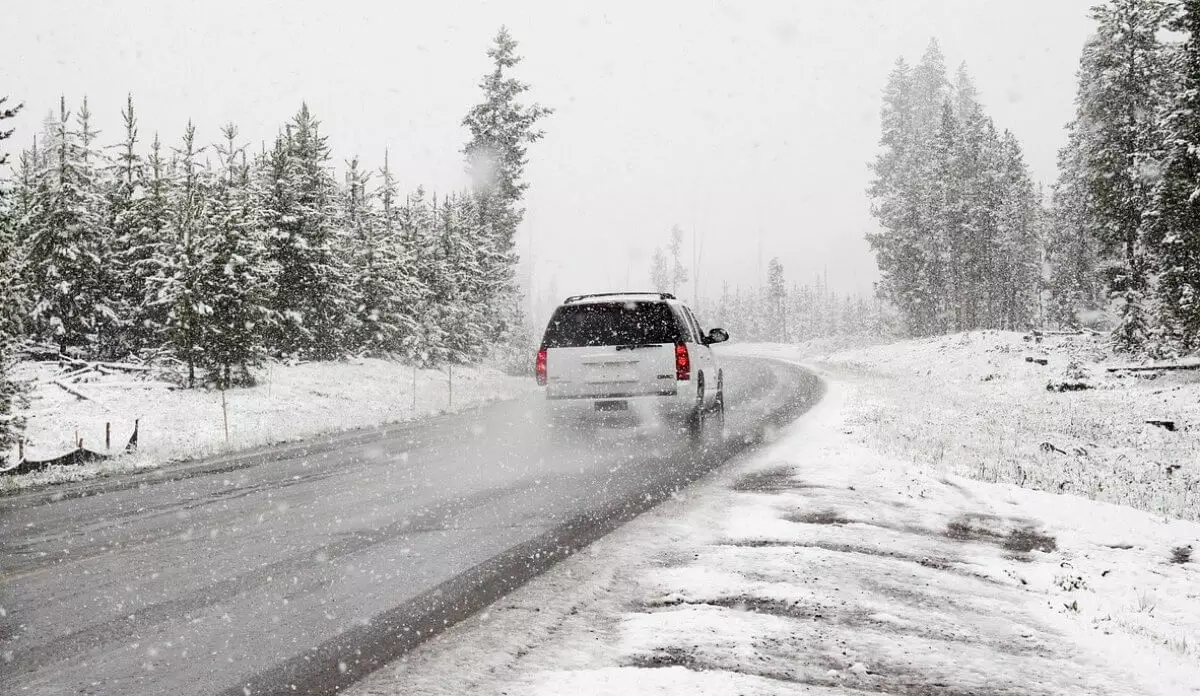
(463, 293)
(11, 393)
(679, 272)
(945, 277)
(147, 255)
(104, 282)
(961, 223)
(301, 213)
(130, 248)
(1017, 265)
(777, 292)
(383, 299)
(429, 343)
(894, 194)
(1120, 93)
(65, 242)
(1073, 250)
(235, 284)
(180, 287)
(1175, 228)
(660, 272)
(501, 129)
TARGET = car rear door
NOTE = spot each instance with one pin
(611, 350)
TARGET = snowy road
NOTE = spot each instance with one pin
(300, 569)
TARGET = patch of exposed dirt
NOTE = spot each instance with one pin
(856, 618)
(822, 670)
(666, 657)
(1016, 535)
(927, 561)
(817, 517)
(775, 480)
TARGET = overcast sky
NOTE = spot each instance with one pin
(751, 122)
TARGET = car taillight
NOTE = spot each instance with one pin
(683, 363)
(541, 367)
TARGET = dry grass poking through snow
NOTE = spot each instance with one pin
(973, 405)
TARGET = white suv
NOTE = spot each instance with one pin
(612, 351)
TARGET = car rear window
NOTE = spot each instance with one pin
(611, 324)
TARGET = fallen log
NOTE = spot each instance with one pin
(1068, 386)
(1155, 367)
(1168, 425)
(125, 367)
(147, 384)
(73, 373)
(76, 393)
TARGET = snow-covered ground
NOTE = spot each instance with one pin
(289, 402)
(972, 404)
(836, 560)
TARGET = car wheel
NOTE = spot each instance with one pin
(699, 414)
(719, 405)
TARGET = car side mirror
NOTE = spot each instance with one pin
(716, 336)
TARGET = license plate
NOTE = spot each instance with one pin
(612, 405)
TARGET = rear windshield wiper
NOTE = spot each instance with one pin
(635, 346)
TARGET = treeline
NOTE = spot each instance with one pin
(221, 256)
(961, 220)
(783, 312)
(1126, 208)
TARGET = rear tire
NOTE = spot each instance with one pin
(698, 417)
(719, 407)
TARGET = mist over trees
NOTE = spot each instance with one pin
(220, 255)
(961, 219)
(785, 311)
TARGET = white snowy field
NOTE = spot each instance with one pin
(834, 561)
(972, 404)
(288, 403)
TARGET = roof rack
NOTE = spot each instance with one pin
(659, 295)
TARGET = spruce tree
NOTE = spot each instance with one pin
(180, 286)
(895, 200)
(1073, 250)
(428, 344)
(1120, 93)
(301, 210)
(1175, 230)
(11, 393)
(501, 128)
(65, 242)
(235, 284)
(382, 298)
(660, 272)
(777, 292)
(147, 254)
(130, 249)
(1017, 263)
(679, 272)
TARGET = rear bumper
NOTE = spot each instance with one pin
(678, 401)
(608, 396)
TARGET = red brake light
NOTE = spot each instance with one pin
(683, 363)
(541, 367)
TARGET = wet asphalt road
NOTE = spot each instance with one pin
(299, 569)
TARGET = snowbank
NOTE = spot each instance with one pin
(831, 560)
(290, 402)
